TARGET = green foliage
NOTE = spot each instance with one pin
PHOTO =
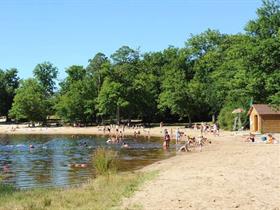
(6, 189)
(77, 104)
(9, 82)
(226, 118)
(98, 69)
(125, 55)
(74, 73)
(175, 95)
(46, 73)
(267, 23)
(105, 161)
(30, 102)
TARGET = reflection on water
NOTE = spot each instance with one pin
(49, 163)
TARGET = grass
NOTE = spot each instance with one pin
(105, 161)
(102, 193)
(6, 189)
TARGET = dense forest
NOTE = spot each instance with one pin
(210, 76)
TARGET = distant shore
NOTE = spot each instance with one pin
(14, 129)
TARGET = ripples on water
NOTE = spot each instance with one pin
(48, 163)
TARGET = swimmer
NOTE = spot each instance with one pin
(109, 141)
(77, 165)
(85, 144)
(6, 169)
(125, 145)
(31, 146)
(83, 165)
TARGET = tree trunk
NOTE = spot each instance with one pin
(190, 121)
(8, 119)
(118, 115)
(213, 118)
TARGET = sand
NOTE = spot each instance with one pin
(228, 174)
(24, 129)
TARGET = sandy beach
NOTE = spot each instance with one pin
(68, 130)
(227, 174)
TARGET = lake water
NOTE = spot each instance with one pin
(48, 164)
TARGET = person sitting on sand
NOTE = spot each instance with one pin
(270, 139)
(185, 147)
(251, 138)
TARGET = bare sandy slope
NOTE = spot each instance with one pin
(229, 174)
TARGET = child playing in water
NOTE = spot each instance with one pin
(166, 140)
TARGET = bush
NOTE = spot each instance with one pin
(226, 118)
(6, 189)
(105, 161)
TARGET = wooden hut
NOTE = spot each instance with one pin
(264, 119)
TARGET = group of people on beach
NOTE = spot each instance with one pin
(120, 130)
(207, 128)
(268, 139)
(181, 137)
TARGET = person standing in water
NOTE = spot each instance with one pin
(166, 140)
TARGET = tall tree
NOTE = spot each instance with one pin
(74, 73)
(125, 55)
(111, 99)
(76, 101)
(46, 73)
(9, 82)
(267, 23)
(175, 94)
(98, 68)
(30, 102)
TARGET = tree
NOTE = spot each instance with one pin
(98, 68)
(111, 99)
(267, 23)
(9, 82)
(77, 104)
(74, 73)
(46, 73)
(76, 100)
(125, 55)
(30, 102)
(175, 94)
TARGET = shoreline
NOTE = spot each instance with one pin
(94, 130)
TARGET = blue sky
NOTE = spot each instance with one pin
(67, 32)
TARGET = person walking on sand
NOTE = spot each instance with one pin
(201, 128)
(215, 129)
(177, 135)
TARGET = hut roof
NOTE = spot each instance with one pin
(264, 109)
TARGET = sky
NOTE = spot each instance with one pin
(68, 32)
